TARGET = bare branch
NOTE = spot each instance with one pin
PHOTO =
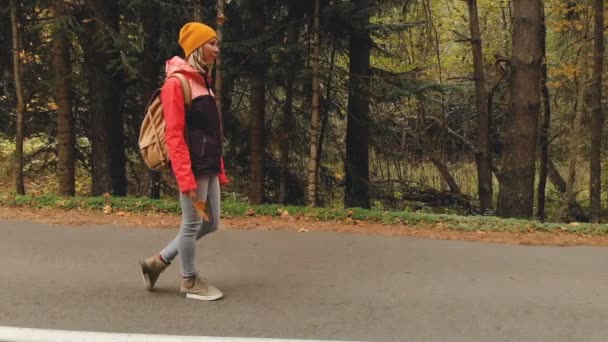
(453, 133)
(464, 38)
(472, 79)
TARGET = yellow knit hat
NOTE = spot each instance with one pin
(194, 35)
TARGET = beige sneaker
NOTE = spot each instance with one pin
(151, 268)
(198, 288)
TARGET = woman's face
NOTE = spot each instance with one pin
(211, 50)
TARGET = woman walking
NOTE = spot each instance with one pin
(194, 142)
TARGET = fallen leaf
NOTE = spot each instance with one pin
(250, 212)
(107, 209)
(302, 230)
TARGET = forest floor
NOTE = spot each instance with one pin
(80, 217)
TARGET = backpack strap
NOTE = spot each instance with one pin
(185, 88)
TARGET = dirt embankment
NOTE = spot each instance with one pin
(302, 225)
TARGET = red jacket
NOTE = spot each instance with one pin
(175, 117)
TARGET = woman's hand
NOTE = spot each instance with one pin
(191, 194)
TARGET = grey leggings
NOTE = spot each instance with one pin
(192, 227)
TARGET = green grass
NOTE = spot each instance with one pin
(130, 204)
(231, 208)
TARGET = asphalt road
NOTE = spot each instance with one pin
(326, 286)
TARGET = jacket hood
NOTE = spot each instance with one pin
(177, 64)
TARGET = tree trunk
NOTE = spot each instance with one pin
(425, 141)
(219, 78)
(256, 12)
(105, 92)
(516, 193)
(197, 10)
(6, 55)
(151, 72)
(446, 175)
(286, 133)
(313, 166)
(332, 64)
(287, 124)
(544, 129)
(20, 109)
(66, 141)
(436, 47)
(356, 192)
(575, 143)
(555, 178)
(560, 185)
(505, 21)
(597, 117)
(484, 156)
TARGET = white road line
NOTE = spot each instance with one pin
(12, 334)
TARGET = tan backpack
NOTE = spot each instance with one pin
(152, 143)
